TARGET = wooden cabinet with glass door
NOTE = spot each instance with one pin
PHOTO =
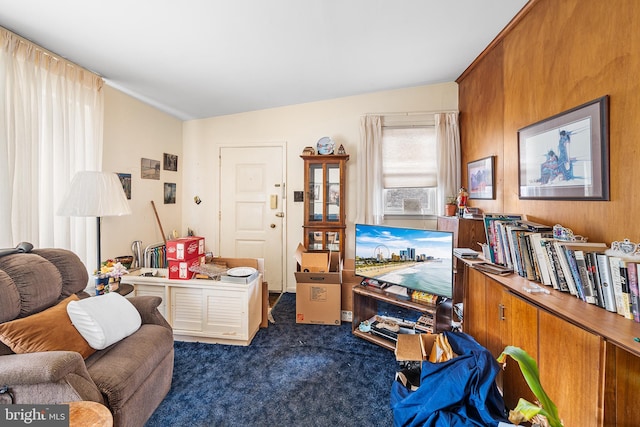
(324, 201)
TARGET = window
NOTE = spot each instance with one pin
(409, 170)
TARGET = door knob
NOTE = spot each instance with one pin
(272, 226)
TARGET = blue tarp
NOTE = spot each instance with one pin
(460, 392)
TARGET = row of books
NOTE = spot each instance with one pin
(583, 269)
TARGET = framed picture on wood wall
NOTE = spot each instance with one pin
(480, 177)
(566, 157)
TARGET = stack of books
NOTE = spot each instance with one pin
(465, 253)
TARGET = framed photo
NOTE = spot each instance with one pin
(125, 180)
(149, 169)
(170, 162)
(480, 174)
(566, 157)
(169, 193)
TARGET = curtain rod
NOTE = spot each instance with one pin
(411, 113)
(49, 53)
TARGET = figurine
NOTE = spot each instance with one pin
(341, 149)
(463, 195)
(308, 151)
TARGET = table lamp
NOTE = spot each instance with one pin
(96, 194)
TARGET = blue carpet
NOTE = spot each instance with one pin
(290, 375)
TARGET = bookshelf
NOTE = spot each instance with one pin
(588, 359)
(365, 306)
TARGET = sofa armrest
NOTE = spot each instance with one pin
(147, 306)
(48, 377)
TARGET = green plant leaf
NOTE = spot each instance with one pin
(524, 411)
(529, 369)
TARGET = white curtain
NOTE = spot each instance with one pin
(51, 118)
(369, 193)
(448, 155)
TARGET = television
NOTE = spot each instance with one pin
(416, 259)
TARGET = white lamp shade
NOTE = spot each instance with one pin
(95, 194)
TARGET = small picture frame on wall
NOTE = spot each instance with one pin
(566, 157)
(480, 177)
(125, 180)
(170, 162)
(169, 193)
(149, 169)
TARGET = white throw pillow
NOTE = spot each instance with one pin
(105, 319)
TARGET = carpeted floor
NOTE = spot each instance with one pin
(290, 375)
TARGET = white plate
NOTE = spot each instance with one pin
(241, 271)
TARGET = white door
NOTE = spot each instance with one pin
(252, 207)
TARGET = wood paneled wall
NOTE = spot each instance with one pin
(555, 56)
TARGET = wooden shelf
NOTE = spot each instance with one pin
(388, 344)
(365, 306)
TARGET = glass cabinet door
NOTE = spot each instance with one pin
(316, 193)
(323, 240)
(333, 192)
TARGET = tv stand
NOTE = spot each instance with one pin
(365, 306)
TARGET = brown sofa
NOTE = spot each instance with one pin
(130, 377)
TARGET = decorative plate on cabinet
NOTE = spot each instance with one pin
(326, 145)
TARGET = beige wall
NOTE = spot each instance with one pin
(297, 126)
(133, 130)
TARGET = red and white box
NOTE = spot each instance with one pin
(185, 248)
(181, 269)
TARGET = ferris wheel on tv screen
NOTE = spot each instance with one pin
(381, 253)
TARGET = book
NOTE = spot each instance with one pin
(614, 267)
(575, 274)
(536, 243)
(492, 268)
(566, 270)
(626, 295)
(632, 277)
(592, 268)
(527, 261)
(465, 253)
(587, 284)
(534, 226)
(562, 282)
(605, 280)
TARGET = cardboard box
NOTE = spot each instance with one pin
(346, 301)
(349, 280)
(414, 347)
(185, 248)
(180, 269)
(325, 262)
(318, 298)
(318, 294)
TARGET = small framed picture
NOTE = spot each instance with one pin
(480, 174)
(149, 169)
(169, 193)
(125, 180)
(170, 162)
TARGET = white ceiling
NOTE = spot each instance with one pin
(204, 58)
